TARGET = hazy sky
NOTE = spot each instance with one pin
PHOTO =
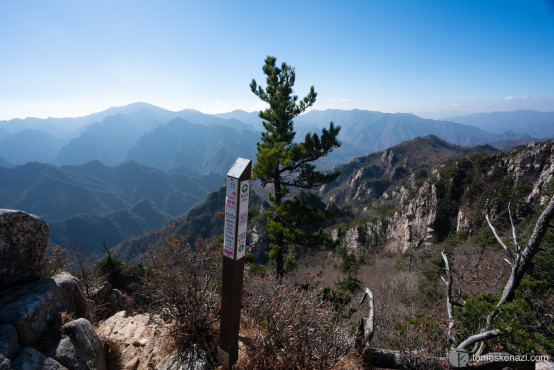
(75, 57)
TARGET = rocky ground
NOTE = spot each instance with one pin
(47, 322)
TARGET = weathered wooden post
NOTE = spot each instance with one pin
(234, 249)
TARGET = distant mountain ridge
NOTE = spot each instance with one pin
(536, 124)
(364, 132)
(180, 143)
(56, 193)
(106, 136)
(146, 133)
(94, 202)
(4, 163)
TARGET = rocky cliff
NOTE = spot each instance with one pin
(454, 197)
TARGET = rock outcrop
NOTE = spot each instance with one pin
(136, 339)
(32, 304)
(419, 218)
(29, 358)
(81, 349)
(108, 301)
(33, 309)
(24, 240)
(5, 363)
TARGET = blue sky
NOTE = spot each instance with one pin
(71, 58)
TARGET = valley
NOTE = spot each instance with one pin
(397, 205)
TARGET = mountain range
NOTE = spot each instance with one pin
(198, 142)
(406, 195)
(536, 124)
(93, 202)
(128, 170)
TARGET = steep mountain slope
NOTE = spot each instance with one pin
(88, 232)
(366, 178)
(413, 194)
(536, 124)
(203, 149)
(204, 220)
(57, 193)
(29, 145)
(451, 200)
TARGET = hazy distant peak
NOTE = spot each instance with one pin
(534, 123)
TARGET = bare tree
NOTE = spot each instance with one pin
(85, 274)
(520, 262)
(449, 303)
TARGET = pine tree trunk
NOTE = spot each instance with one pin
(279, 238)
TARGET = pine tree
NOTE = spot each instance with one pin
(287, 164)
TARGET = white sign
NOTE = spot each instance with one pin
(236, 210)
(231, 204)
(244, 195)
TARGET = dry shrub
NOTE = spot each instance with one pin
(58, 260)
(422, 341)
(184, 285)
(478, 269)
(393, 292)
(295, 327)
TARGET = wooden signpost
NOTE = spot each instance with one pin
(234, 250)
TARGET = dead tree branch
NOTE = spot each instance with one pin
(366, 327)
(521, 262)
(449, 308)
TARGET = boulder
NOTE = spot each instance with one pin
(24, 241)
(81, 349)
(8, 341)
(108, 301)
(34, 309)
(31, 359)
